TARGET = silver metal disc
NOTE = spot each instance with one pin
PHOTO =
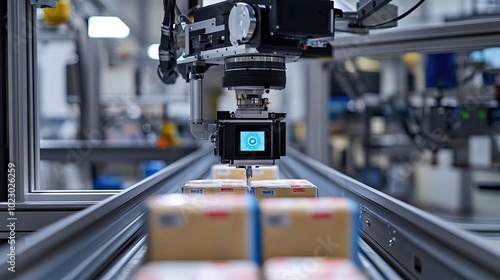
(242, 23)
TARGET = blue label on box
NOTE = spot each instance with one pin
(268, 193)
(196, 191)
(277, 220)
(171, 220)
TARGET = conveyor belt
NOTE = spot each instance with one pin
(415, 243)
(90, 243)
(107, 240)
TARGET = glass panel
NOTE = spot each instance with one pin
(106, 120)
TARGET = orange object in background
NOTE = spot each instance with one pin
(163, 142)
(58, 15)
(168, 135)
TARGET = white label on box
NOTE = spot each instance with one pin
(171, 220)
(224, 172)
(257, 171)
(196, 191)
(277, 220)
(267, 193)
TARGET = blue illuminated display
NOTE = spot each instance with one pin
(252, 141)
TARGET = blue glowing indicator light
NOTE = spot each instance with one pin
(252, 141)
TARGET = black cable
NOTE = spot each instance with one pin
(168, 45)
(400, 17)
(472, 75)
(193, 9)
(181, 17)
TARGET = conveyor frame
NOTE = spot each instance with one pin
(422, 247)
(104, 238)
(90, 241)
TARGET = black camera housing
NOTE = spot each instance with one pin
(229, 128)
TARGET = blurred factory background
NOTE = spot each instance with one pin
(413, 121)
(411, 111)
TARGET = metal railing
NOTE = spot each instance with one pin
(85, 244)
(416, 244)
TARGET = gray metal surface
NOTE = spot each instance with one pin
(369, 7)
(377, 265)
(30, 221)
(44, 3)
(196, 98)
(23, 136)
(452, 36)
(242, 22)
(69, 196)
(318, 92)
(217, 56)
(416, 244)
(32, 217)
(84, 245)
(90, 52)
(91, 151)
(208, 25)
(126, 266)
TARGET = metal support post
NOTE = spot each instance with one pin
(318, 93)
(4, 144)
(23, 126)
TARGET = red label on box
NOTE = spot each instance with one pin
(226, 189)
(298, 190)
(217, 214)
(321, 215)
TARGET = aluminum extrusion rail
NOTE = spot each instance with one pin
(64, 150)
(416, 244)
(463, 35)
(84, 245)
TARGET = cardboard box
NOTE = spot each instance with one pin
(220, 186)
(293, 227)
(221, 171)
(203, 227)
(265, 173)
(202, 270)
(311, 268)
(283, 188)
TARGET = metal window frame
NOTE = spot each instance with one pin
(21, 95)
(23, 114)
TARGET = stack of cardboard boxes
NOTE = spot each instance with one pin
(196, 236)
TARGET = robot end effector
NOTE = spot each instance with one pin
(253, 39)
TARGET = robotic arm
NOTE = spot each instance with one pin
(253, 40)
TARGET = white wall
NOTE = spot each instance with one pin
(52, 60)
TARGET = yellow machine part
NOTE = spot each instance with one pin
(58, 15)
